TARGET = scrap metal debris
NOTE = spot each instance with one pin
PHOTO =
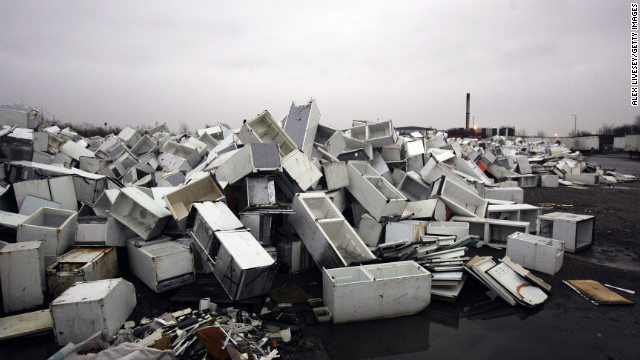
(232, 208)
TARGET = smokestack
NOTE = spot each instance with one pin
(468, 109)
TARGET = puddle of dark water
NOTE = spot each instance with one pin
(477, 327)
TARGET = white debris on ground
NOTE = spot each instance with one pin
(233, 205)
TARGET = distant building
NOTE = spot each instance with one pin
(507, 131)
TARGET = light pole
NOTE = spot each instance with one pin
(575, 124)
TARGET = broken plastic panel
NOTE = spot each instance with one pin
(81, 264)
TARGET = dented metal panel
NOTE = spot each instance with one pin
(89, 307)
(32, 204)
(335, 174)
(301, 170)
(87, 186)
(242, 266)
(57, 189)
(257, 192)
(22, 275)
(302, 123)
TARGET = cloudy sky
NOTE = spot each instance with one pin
(529, 64)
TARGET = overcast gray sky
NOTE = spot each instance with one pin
(527, 64)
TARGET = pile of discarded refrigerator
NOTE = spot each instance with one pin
(380, 213)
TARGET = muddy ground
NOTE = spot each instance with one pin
(476, 326)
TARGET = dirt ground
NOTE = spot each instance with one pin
(475, 326)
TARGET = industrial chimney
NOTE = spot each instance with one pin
(468, 109)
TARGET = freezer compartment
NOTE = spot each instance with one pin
(459, 199)
(374, 192)
(102, 231)
(376, 291)
(325, 233)
(264, 129)
(56, 228)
